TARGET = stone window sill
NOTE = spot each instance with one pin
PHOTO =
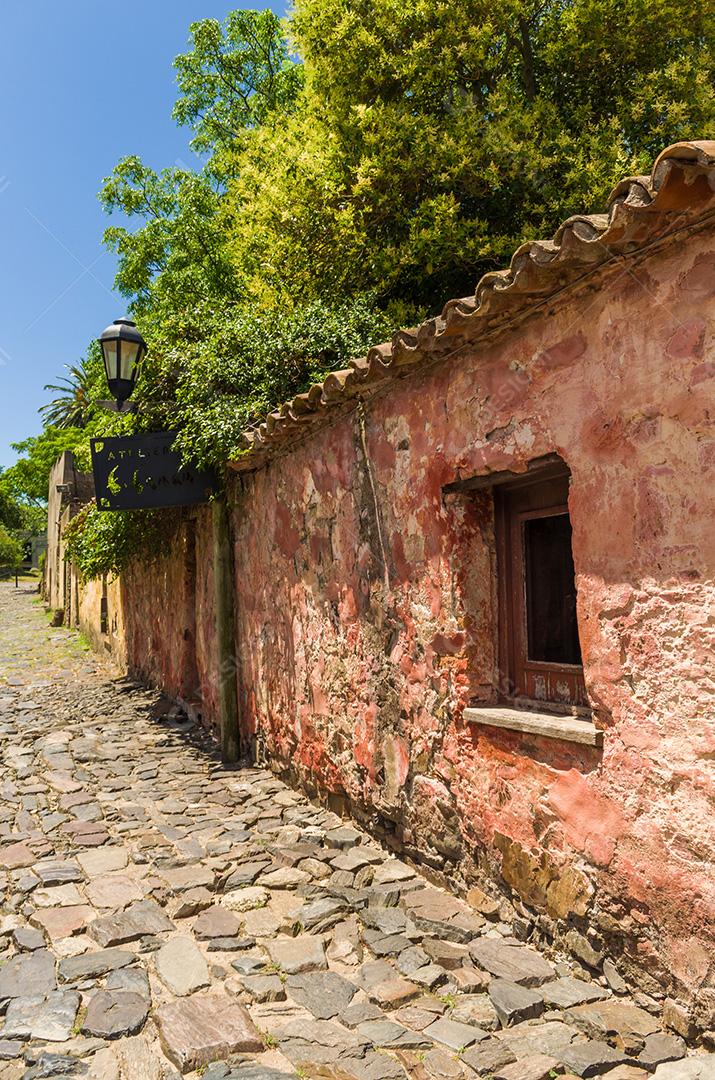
(548, 725)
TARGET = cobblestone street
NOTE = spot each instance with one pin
(165, 916)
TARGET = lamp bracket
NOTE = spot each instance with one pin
(118, 406)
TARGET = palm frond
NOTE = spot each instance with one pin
(71, 408)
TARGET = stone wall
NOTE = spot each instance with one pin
(366, 618)
(156, 620)
(102, 617)
(165, 608)
(62, 475)
(68, 491)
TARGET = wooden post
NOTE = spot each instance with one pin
(224, 596)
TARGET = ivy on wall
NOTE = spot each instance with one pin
(105, 543)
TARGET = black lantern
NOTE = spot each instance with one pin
(123, 348)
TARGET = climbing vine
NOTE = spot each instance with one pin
(105, 543)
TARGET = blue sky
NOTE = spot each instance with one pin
(82, 84)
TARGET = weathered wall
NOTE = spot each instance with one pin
(108, 635)
(165, 644)
(366, 617)
(62, 474)
(159, 623)
(68, 490)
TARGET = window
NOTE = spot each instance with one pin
(540, 655)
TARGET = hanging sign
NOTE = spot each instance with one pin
(143, 472)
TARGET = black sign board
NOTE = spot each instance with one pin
(140, 472)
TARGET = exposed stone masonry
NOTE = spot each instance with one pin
(164, 916)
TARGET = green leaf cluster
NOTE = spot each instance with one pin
(248, 361)
(13, 519)
(237, 77)
(26, 482)
(105, 543)
(10, 509)
(432, 137)
(19, 519)
(11, 549)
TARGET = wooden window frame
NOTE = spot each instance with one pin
(547, 489)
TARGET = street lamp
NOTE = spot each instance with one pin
(123, 349)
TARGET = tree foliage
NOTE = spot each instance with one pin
(104, 543)
(248, 361)
(359, 165)
(75, 405)
(28, 479)
(11, 550)
(235, 78)
(433, 137)
(366, 162)
(10, 510)
(176, 261)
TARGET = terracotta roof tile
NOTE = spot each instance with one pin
(641, 210)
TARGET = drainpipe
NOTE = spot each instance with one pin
(224, 601)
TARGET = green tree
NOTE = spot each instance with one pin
(16, 513)
(77, 393)
(11, 551)
(433, 137)
(414, 146)
(176, 259)
(361, 164)
(27, 481)
(10, 510)
(252, 359)
(235, 78)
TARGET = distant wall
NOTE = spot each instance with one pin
(68, 491)
(102, 617)
(54, 577)
(158, 621)
(168, 609)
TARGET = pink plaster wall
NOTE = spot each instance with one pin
(167, 605)
(366, 617)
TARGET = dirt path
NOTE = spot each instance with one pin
(163, 915)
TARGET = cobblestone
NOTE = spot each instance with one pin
(161, 912)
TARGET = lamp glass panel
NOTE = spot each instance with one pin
(130, 356)
(109, 348)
